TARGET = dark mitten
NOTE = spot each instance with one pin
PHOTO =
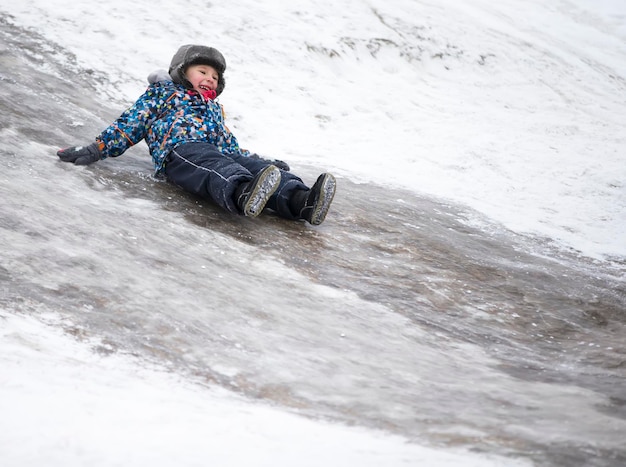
(81, 155)
(280, 164)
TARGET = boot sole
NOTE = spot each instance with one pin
(327, 194)
(265, 187)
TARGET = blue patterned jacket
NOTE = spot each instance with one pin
(167, 115)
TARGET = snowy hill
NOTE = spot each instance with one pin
(462, 305)
(515, 109)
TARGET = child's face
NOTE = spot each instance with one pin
(202, 77)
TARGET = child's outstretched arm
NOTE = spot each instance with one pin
(129, 129)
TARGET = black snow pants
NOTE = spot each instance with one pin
(201, 169)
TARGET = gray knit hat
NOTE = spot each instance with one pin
(191, 54)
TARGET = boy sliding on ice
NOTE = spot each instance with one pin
(189, 143)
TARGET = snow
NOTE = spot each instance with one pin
(513, 108)
(65, 405)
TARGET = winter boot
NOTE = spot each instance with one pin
(251, 196)
(312, 205)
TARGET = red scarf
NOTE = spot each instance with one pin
(209, 94)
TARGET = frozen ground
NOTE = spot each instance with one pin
(513, 108)
(476, 318)
(69, 406)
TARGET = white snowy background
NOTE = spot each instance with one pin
(513, 108)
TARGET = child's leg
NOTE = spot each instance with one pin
(313, 205)
(201, 169)
(293, 199)
(289, 185)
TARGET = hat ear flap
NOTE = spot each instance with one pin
(178, 76)
(221, 84)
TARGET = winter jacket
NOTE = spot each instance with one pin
(167, 115)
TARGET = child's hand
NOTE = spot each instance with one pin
(280, 164)
(81, 155)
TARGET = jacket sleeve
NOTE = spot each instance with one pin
(132, 126)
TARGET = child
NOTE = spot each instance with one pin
(184, 128)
